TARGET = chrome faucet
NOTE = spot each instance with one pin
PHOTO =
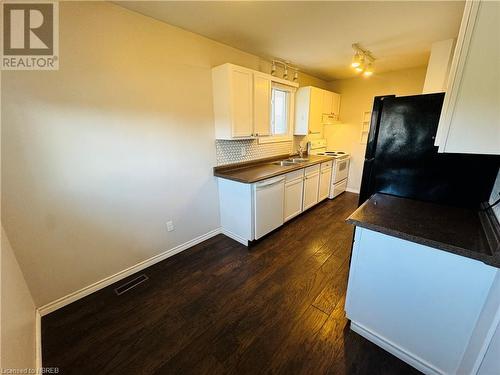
(300, 149)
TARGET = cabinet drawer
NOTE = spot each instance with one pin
(290, 176)
(312, 169)
(326, 165)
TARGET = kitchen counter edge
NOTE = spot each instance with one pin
(491, 260)
(225, 171)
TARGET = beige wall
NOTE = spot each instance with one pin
(97, 156)
(17, 314)
(357, 97)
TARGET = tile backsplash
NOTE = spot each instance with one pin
(237, 151)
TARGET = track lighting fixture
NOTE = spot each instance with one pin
(362, 61)
(286, 66)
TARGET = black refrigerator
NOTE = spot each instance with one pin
(401, 158)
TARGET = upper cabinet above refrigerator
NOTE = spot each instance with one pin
(470, 118)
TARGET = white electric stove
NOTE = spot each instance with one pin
(340, 171)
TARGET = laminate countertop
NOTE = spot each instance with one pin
(262, 169)
(456, 230)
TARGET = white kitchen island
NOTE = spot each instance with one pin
(417, 292)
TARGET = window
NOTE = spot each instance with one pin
(281, 121)
(279, 112)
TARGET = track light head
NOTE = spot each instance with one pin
(368, 70)
(273, 68)
(356, 60)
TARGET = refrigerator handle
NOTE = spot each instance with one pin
(371, 143)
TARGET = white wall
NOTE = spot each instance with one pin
(357, 97)
(97, 156)
(17, 349)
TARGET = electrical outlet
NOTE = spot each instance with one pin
(170, 226)
(243, 151)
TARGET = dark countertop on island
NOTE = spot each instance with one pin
(456, 230)
(258, 170)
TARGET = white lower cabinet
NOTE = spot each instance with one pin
(294, 188)
(325, 178)
(426, 306)
(311, 187)
(250, 211)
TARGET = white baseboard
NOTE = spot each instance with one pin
(235, 237)
(38, 340)
(397, 351)
(351, 190)
(72, 297)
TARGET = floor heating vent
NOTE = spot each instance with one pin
(131, 284)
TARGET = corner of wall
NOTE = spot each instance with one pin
(17, 314)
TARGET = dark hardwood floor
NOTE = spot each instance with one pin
(219, 308)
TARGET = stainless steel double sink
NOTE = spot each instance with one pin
(292, 161)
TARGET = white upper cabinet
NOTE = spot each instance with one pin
(331, 104)
(233, 101)
(336, 105)
(308, 110)
(242, 101)
(242, 104)
(470, 119)
(327, 101)
(438, 68)
(315, 107)
(262, 104)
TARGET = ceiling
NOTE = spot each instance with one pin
(317, 36)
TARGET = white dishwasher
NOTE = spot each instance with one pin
(268, 196)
